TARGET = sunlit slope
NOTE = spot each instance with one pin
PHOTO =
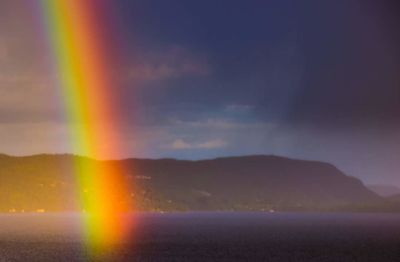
(46, 183)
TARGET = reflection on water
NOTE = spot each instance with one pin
(212, 237)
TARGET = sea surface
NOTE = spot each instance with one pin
(210, 236)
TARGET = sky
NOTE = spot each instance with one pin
(308, 79)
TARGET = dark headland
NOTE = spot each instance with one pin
(47, 183)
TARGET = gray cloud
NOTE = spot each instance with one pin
(180, 144)
(172, 62)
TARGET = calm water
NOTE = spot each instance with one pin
(212, 237)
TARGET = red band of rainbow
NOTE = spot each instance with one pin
(80, 50)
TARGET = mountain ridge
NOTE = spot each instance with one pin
(252, 182)
(384, 190)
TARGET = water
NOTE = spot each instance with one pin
(212, 237)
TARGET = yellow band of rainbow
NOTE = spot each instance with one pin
(79, 46)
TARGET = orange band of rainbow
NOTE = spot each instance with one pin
(79, 47)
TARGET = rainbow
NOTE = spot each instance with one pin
(80, 44)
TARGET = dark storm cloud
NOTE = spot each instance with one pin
(238, 40)
(319, 80)
(330, 62)
(351, 66)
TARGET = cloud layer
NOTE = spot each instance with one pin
(180, 144)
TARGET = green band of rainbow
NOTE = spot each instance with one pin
(79, 46)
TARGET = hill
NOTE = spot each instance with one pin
(48, 183)
(394, 198)
(384, 190)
